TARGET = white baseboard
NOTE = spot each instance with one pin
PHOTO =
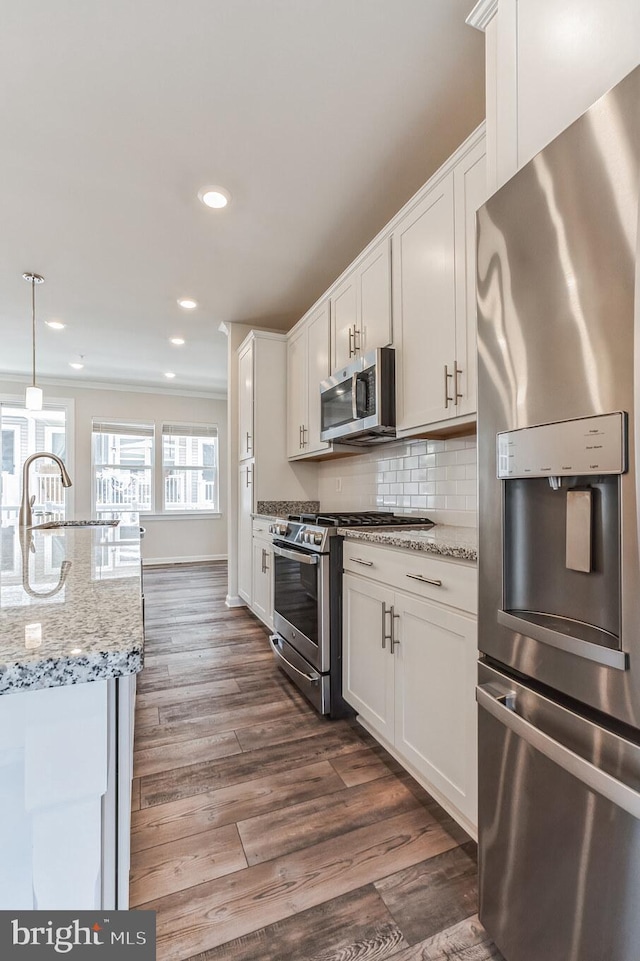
(196, 558)
(234, 601)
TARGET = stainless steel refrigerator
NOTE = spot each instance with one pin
(559, 612)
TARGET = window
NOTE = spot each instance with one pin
(190, 467)
(24, 432)
(122, 466)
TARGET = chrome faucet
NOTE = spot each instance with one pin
(26, 516)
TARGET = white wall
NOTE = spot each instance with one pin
(436, 477)
(167, 538)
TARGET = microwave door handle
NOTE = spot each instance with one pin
(354, 395)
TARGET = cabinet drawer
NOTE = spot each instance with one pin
(448, 581)
(261, 528)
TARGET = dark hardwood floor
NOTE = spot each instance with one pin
(263, 832)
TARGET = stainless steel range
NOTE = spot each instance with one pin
(308, 599)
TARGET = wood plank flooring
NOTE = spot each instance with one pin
(263, 832)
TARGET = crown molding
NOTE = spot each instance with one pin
(123, 388)
(482, 14)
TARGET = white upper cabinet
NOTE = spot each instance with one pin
(307, 366)
(470, 192)
(546, 63)
(361, 307)
(344, 322)
(434, 301)
(318, 370)
(245, 401)
(297, 392)
(424, 309)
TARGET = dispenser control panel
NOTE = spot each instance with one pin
(588, 445)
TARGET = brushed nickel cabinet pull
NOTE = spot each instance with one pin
(456, 383)
(385, 637)
(394, 641)
(425, 580)
(352, 341)
(447, 377)
(358, 560)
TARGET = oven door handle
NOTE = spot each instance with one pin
(311, 678)
(295, 555)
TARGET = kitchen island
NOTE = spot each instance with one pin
(71, 644)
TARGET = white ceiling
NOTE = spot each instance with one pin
(321, 117)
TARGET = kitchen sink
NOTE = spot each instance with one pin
(52, 525)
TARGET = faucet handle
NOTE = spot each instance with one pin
(32, 500)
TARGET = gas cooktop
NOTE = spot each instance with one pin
(315, 531)
(359, 519)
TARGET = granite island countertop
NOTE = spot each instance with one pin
(441, 539)
(70, 604)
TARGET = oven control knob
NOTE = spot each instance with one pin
(317, 538)
(280, 529)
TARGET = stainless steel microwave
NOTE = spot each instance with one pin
(358, 403)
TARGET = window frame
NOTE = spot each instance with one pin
(151, 467)
(188, 426)
(67, 404)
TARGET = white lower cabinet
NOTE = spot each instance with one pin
(245, 507)
(368, 670)
(262, 595)
(409, 670)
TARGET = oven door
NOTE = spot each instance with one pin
(301, 602)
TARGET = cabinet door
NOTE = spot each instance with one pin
(344, 321)
(245, 402)
(318, 370)
(297, 392)
(435, 712)
(367, 665)
(470, 189)
(260, 587)
(424, 305)
(374, 299)
(245, 534)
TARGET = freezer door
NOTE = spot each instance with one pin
(559, 825)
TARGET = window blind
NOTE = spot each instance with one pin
(189, 430)
(122, 428)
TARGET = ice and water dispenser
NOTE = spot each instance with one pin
(561, 550)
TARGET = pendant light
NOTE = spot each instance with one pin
(33, 396)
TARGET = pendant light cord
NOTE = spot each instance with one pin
(33, 332)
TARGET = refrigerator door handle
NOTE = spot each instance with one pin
(593, 777)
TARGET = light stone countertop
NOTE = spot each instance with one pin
(70, 605)
(442, 539)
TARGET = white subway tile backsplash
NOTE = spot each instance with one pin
(456, 472)
(466, 487)
(425, 475)
(467, 456)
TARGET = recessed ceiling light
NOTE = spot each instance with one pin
(76, 366)
(216, 197)
(188, 303)
(170, 375)
(55, 324)
(178, 341)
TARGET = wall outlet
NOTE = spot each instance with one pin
(338, 484)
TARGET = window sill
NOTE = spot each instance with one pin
(179, 515)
